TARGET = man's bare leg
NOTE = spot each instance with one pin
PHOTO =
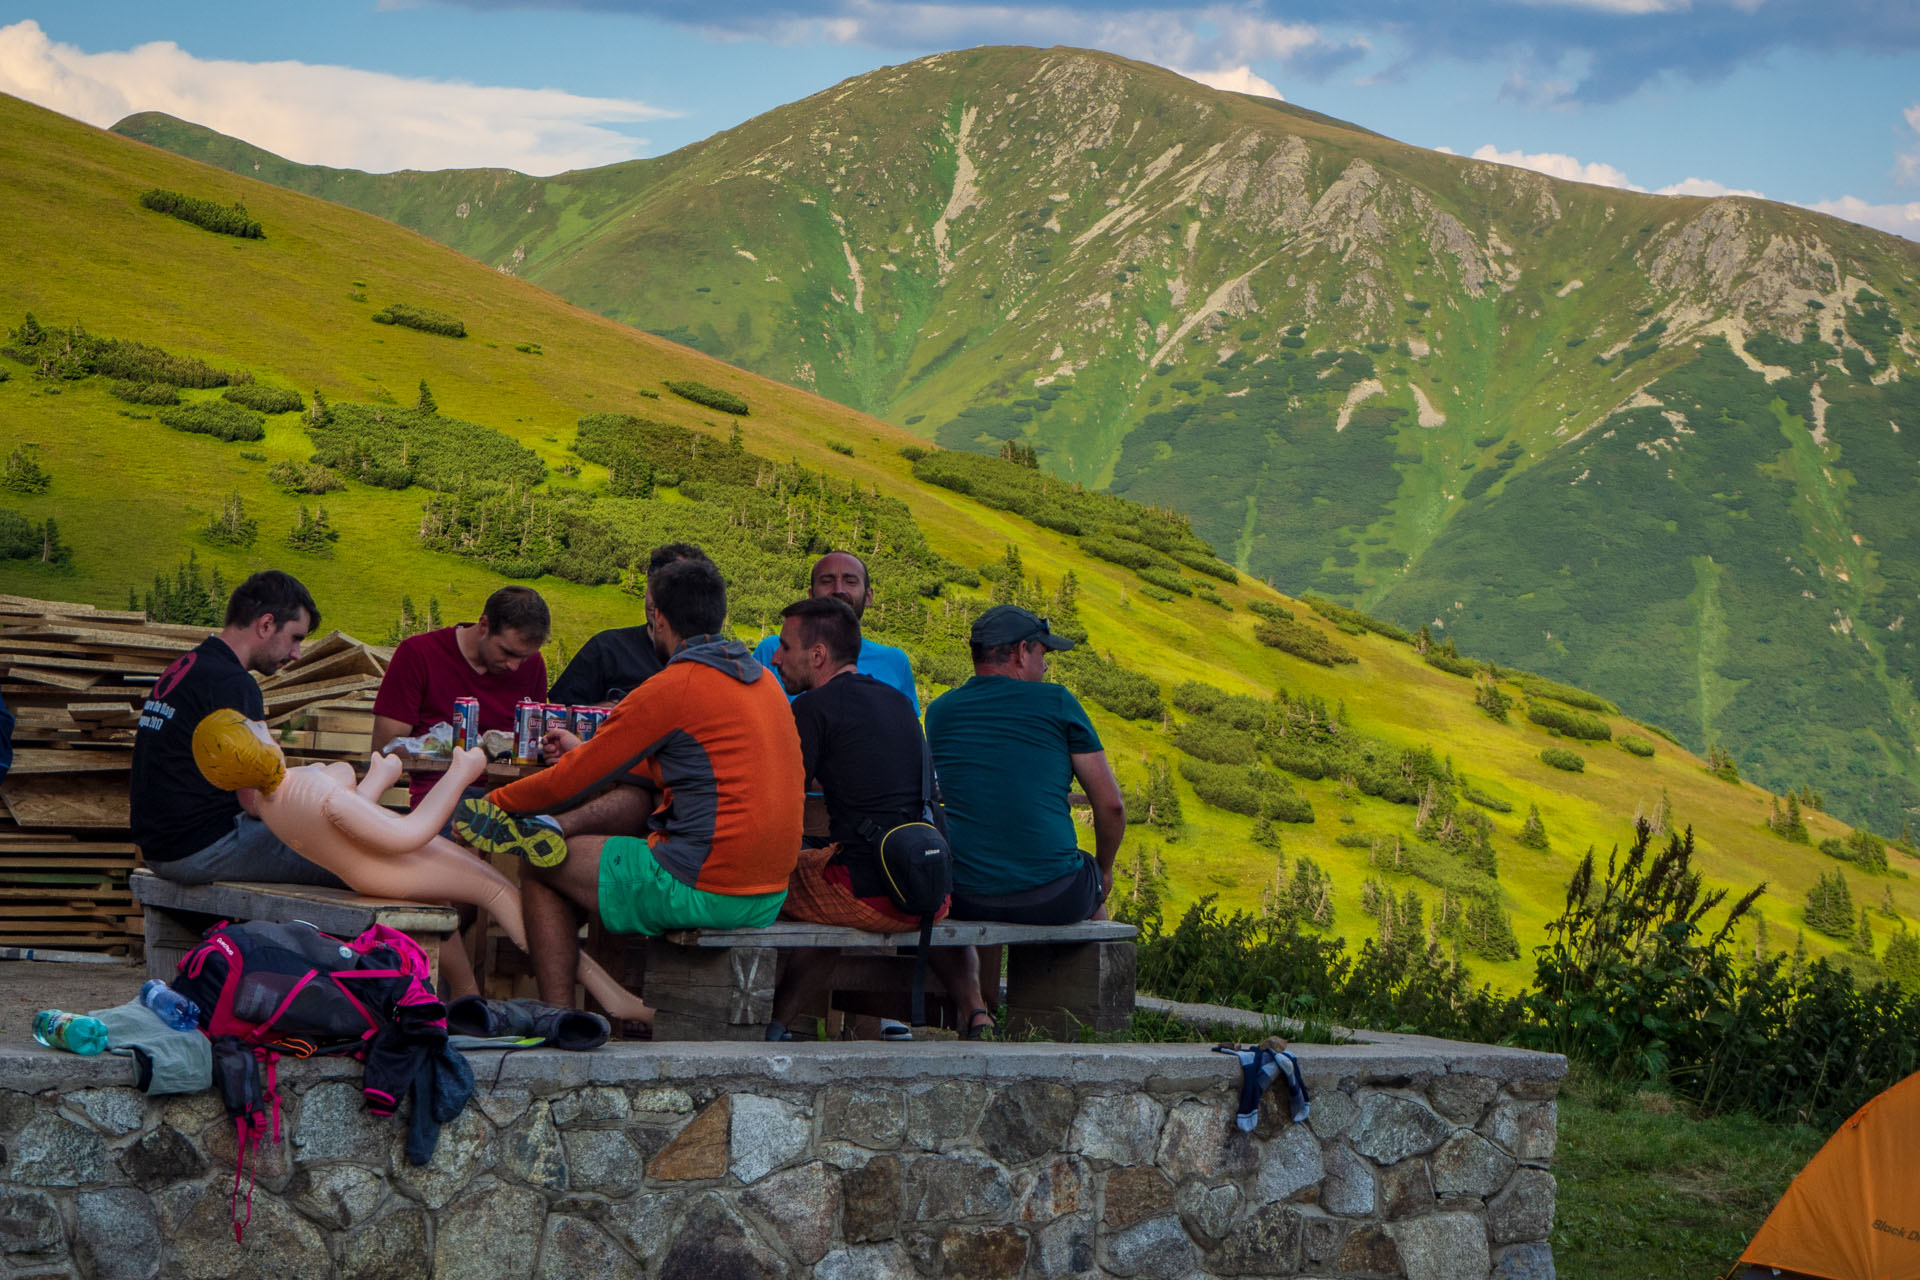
(618, 811)
(456, 969)
(554, 901)
(959, 969)
(804, 985)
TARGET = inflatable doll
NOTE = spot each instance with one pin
(319, 812)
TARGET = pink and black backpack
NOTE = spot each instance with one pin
(270, 989)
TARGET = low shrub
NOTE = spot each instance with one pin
(711, 397)
(1474, 796)
(1270, 611)
(1862, 848)
(1130, 555)
(1249, 790)
(912, 452)
(1541, 687)
(840, 446)
(1166, 581)
(215, 418)
(24, 474)
(261, 399)
(1302, 641)
(304, 477)
(1099, 678)
(1561, 758)
(143, 392)
(1335, 612)
(1569, 722)
(231, 526)
(1215, 742)
(1636, 744)
(1452, 663)
(424, 319)
(228, 220)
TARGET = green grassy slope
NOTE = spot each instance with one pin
(294, 310)
(1362, 368)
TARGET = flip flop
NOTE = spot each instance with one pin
(988, 1030)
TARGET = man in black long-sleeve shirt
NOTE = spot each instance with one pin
(189, 830)
(615, 662)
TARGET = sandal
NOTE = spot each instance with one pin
(988, 1030)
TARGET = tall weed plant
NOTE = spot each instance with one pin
(1641, 979)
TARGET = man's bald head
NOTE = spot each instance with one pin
(842, 575)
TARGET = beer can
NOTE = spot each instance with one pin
(529, 727)
(560, 716)
(466, 721)
(587, 721)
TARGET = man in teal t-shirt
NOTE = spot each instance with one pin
(1007, 748)
(843, 575)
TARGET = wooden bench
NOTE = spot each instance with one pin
(176, 915)
(718, 984)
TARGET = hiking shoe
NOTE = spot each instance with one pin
(557, 1025)
(490, 829)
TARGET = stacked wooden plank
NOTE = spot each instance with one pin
(75, 678)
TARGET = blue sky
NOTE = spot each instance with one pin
(1816, 102)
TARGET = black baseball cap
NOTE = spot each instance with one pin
(1010, 624)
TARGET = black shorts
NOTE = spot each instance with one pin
(1068, 900)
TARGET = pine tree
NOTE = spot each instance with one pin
(1901, 962)
(1264, 833)
(231, 526)
(1760, 947)
(425, 404)
(1797, 967)
(1863, 938)
(1796, 826)
(1533, 835)
(24, 474)
(1662, 815)
(1830, 906)
(1163, 800)
(1886, 903)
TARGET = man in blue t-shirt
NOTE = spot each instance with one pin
(843, 575)
(1007, 748)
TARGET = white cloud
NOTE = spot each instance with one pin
(326, 115)
(1900, 219)
(1555, 165)
(1236, 80)
(1906, 164)
(1706, 187)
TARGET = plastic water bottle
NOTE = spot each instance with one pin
(74, 1032)
(173, 1008)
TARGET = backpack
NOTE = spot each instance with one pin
(917, 864)
(264, 989)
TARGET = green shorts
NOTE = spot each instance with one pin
(638, 895)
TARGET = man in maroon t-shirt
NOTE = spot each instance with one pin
(496, 660)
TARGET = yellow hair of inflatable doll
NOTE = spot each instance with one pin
(234, 752)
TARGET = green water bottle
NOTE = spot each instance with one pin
(74, 1032)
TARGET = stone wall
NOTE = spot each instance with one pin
(841, 1162)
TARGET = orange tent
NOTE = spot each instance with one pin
(1854, 1211)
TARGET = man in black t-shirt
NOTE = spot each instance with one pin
(189, 830)
(615, 662)
(863, 748)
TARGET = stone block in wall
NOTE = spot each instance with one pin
(1207, 1212)
(1391, 1127)
(644, 1222)
(871, 1201)
(1525, 1129)
(338, 1196)
(982, 1253)
(1201, 1140)
(1291, 1163)
(1524, 1208)
(1050, 1190)
(944, 1115)
(867, 1115)
(29, 1221)
(1026, 1120)
(1135, 1193)
(1157, 1249)
(1350, 1187)
(279, 1242)
(1467, 1164)
(492, 1230)
(1406, 1190)
(602, 1160)
(1442, 1246)
(766, 1135)
(466, 1150)
(802, 1205)
(575, 1249)
(866, 1262)
(330, 1123)
(699, 1151)
(1062, 1248)
(396, 1245)
(714, 1241)
(1333, 1111)
(160, 1158)
(114, 1111)
(1265, 1243)
(115, 1235)
(1369, 1249)
(939, 1188)
(53, 1151)
(1524, 1262)
(532, 1152)
(1462, 1099)
(595, 1103)
(1119, 1128)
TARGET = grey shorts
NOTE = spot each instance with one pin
(248, 852)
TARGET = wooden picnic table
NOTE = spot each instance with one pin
(501, 770)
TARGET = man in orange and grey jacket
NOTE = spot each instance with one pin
(712, 737)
